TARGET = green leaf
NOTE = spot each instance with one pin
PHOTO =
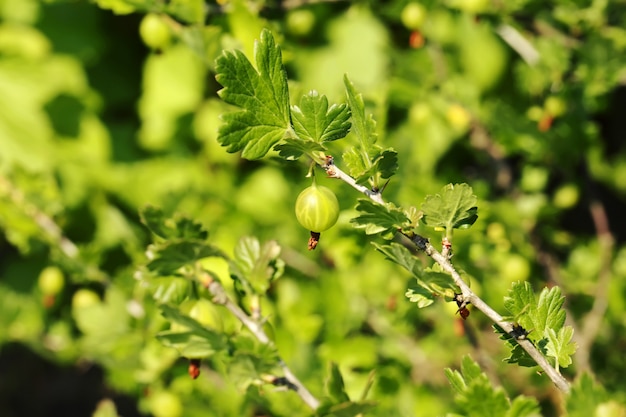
(475, 394)
(519, 302)
(169, 289)
(314, 121)
(256, 265)
(196, 341)
(294, 148)
(188, 344)
(399, 254)
(363, 126)
(550, 314)
(543, 318)
(419, 295)
(437, 280)
(334, 385)
(383, 163)
(251, 359)
(171, 256)
(378, 218)
(263, 96)
(454, 208)
(585, 397)
(345, 409)
(112, 311)
(523, 407)
(429, 281)
(560, 345)
(456, 380)
(386, 163)
(158, 223)
(471, 371)
(366, 160)
(518, 354)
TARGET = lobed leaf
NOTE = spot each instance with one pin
(263, 96)
(314, 121)
(167, 228)
(378, 218)
(454, 208)
(560, 345)
(419, 295)
(477, 397)
(171, 256)
(256, 265)
(397, 253)
(523, 407)
(586, 397)
(519, 301)
(549, 313)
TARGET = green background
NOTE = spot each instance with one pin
(95, 125)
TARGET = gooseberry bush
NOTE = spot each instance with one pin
(332, 209)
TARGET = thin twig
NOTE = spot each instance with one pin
(592, 322)
(45, 222)
(334, 172)
(468, 295)
(519, 43)
(256, 328)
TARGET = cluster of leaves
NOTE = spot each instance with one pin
(476, 396)
(176, 255)
(266, 119)
(542, 320)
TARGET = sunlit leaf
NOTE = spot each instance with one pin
(560, 345)
(378, 218)
(261, 93)
(453, 208)
(315, 121)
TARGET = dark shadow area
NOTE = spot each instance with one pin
(31, 386)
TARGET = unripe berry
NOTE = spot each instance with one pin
(154, 32)
(51, 280)
(317, 208)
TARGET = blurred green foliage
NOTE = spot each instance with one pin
(523, 100)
